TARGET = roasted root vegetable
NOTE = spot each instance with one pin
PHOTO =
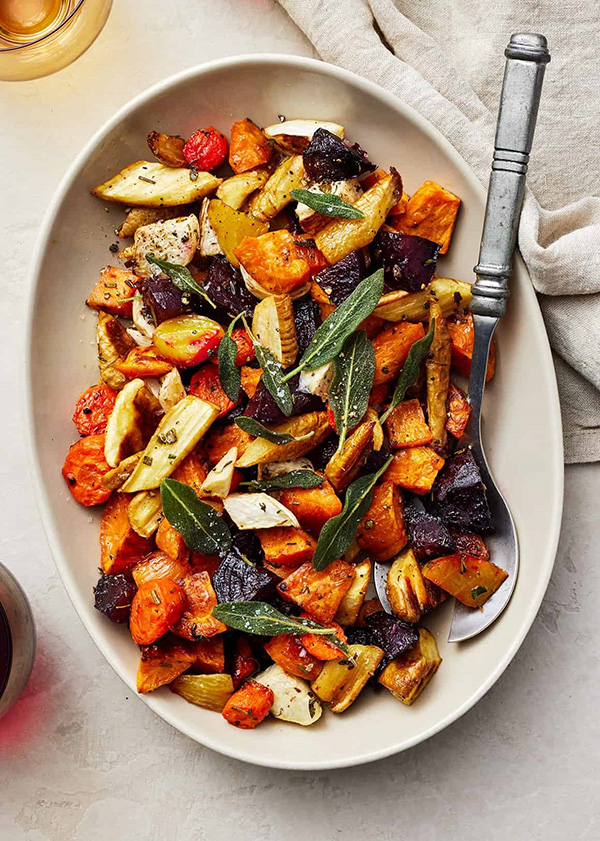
(209, 691)
(470, 580)
(260, 451)
(312, 507)
(290, 654)
(341, 236)
(437, 367)
(143, 362)
(274, 327)
(272, 265)
(293, 699)
(93, 409)
(249, 705)
(188, 339)
(467, 543)
(196, 620)
(156, 606)
(113, 596)
(275, 194)
(459, 495)
(138, 216)
(318, 593)
(221, 439)
(170, 541)
(287, 546)
(406, 426)
(231, 227)
(145, 512)
(206, 385)
(341, 682)
(192, 471)
(238, 579)
(348, 190)
(415, 469)
(174, 240)
(381, 532)
(325, 648)
(235, 190)
(114, 292)
(350, 605)
(408, 592)
(258, 511)
(219, 480)
(175, 437)
(249, 147)
(294, 136)
(120, 547)
(391, 349)
(345, 465)
(209, 655)
(459, 411)
(462, 334)
(162, 662)
(132, 421)
(84, 469)
(450, 294)
(148, 184)
(114, 343)
(167, 148)
(430, 213)
(159, 565)
(428, 536)
(408, 675)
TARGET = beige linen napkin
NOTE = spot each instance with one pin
(445, 58)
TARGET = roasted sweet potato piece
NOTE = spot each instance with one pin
(313, 507)
(205, 563)
(322, 647)
(462, 333)
(287, 546)
(408, 592)
(430, 213)
(309, 252)
(209, 656)
(249, 705)
(161, 662)
(274, 262)
(345, 465)
(468, 543)
(406, 426)
(114, 292)
(391, 349)
(207, 385)
(250, 379)
(93, 409)
(192, 471)
(171, 542)
(248, 146)
(156, 606)
(350, 606)
(159, 565)
(143, 362)
(279, 570)
(120, 547)
(381, 532)
(84, 468)
(459, 411)
(244, 663)
(408, 675)
(437, 368)
(288, 652)
(470, 580)
(318, 593)
(197, 620)
(245, 348)
(415, 469)
(221, 439)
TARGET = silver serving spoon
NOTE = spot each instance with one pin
(526, 59)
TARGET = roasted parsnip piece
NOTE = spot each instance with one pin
(293, 136)
(438, 376)
(208, 245)
(174, 240)
(114, 343)
(116, 477)
(260, 450)
(235, 190)
(131, 423)
(344, 466)
(408, 591)
(312, 221)
(341, 681)
(293, 699)
(171, 390)
(408, 675)
(274, 326)
(209, 691)
(218, 481)
(149, 184)
(347, 612)
(145, 512)
(138, 216)
(275, 194)
(450, 294)
(258, 511)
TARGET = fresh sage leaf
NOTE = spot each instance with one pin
(256, 428)
(293, 479)
(202, 528)
(229, 373)
(354, 370)
(410, 370)
(327, 204)
(263, 619)
(338, 533)
(272, 375)
(329, 338)
(181, 277)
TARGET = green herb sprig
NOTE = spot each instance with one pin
(354, 370)
(259, 430)
(181, 277)
(202, 528)
(294, 479)
(229, 373)
(327, 204)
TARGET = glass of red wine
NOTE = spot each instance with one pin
(17, 640)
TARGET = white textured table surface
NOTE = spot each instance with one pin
(80, 758)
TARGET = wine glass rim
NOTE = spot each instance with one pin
(56, 29)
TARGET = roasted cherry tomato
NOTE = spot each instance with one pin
(93, 409)
(206, 149)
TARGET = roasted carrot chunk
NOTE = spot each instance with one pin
(84, 468)
(143, 362)
(248, 146)
(245, 348)
(382, 533)
(391, 349)
(249, 705)
(415, 469)
(207, 385)
(287, 546)
(470, 580)
(468, 543)
(159, 565)
(462, 333)
(114, 292)
(221, 439)
(192, 471)
(93, 409)
(156, 606)
(322, 647)
(171, 542)
(319, 593)
(120, 547)
(274, 261)
(209, 656)
(313, 507)
(197, 620)
(430, 213)
(162, 662)
(459, 411)
(406, 425)
(244, 662)
(288, 651)
(278, 569)
(250, 379)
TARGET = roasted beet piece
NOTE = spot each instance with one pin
(224, 285)
(408, 262)
(392, 635)
(377, 458)
(459, 496)
(327, 158)
(164, 299)
(429, 537)
(113, 595)
(307, 320)
(322, 455)
(339, 280)
(236, 580)
(359, 636)
(262, 407)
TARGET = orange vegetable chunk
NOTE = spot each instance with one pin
(244, 661)
(286, 545)
(381, 532)
(156, 606)
(470, 580)
(319, 593)
(313, 507)
(192, 471)
(249, 705)
(197, 620)
(159, 565)
(245, 348)
(321, 646)
(406, 425)
(93, 409)
(84, 468)
(248, 146)
(171, 542)
(161, 662)
(209, 656)
(462, 333)
(391, 349)
(143, 362)
(430, 213)
(288, 651)
(459, 411)
(120, 547)
(114, 292)
(415, 469)
(221, 439)
(250, 379)
(206, 384)
(274, 262)
(205, 563)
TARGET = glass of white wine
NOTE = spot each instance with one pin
(38, 37)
